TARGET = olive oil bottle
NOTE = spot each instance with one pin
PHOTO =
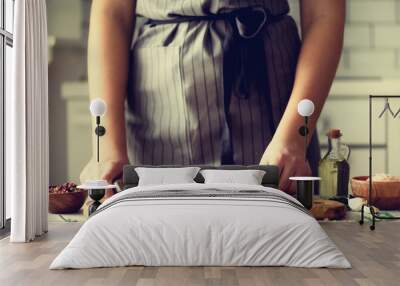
(334, 169)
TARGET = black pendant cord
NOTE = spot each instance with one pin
(98, 145)
(369, 205)
(303, 131)
(99, 131)
(306, 138)
(98, 138)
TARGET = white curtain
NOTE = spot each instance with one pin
(27, 147)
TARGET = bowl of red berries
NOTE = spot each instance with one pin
(66, 198)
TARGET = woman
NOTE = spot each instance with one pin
(211, 82)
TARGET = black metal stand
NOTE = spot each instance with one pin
(368, 205)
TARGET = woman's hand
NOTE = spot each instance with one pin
(108, 170)
(322, 39)
(289, 157)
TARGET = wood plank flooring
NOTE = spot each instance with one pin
(375, 257)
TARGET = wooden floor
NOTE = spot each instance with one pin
(375, 257)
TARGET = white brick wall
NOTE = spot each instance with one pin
(371, 11)
(378, 60)
(372, 38)
(357, 36)
(387, 36)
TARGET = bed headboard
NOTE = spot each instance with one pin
(271, 178)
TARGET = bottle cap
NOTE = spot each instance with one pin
(334, 133)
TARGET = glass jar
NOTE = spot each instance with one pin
(334, 168)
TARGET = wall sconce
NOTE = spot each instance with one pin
(305, 185)
(98, 108)
(305, 108)
(97, 187)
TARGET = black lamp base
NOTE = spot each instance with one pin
(305, 191)
(96, 195)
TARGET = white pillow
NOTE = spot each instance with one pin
(248, 177)
(162, 176)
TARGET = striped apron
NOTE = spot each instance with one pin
(177, 110)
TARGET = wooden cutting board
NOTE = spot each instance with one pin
(327, 209)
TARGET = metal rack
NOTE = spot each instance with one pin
(368, 205)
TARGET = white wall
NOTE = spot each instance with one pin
(372, 38)
(67, 24)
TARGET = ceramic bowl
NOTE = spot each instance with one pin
(65, 203)
(385, 195)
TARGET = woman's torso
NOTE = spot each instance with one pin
(175, 111)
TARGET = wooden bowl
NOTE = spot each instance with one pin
(385, 195)
(66, 203)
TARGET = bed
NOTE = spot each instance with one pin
(198, 224)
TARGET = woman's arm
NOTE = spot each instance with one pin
(322, 23)
(110, 34)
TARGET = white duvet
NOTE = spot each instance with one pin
(188, 231)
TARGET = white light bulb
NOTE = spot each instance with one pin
(305, 108)
(98, 107)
